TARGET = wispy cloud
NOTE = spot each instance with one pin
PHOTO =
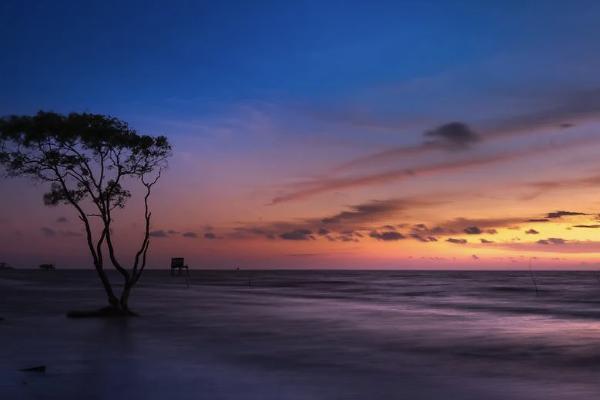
(452, 136)
(374, 211)
(350, 224)
(314, 187)
(568, 110)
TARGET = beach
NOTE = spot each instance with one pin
(305, 335)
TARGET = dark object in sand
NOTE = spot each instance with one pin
(106, 312)
(39, 368)
(47, 267)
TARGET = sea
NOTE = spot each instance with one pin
(305, 334)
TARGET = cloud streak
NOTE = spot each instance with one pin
(311, 188)
(387, 236)
(568, 110)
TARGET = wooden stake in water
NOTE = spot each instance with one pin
(531, 274)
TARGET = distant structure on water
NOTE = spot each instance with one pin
(47, 267)
(178, 266)
(4, 265)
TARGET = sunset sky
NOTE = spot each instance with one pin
(439, 134)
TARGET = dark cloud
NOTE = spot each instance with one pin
(345, 225)
(472, 230)
(424, 239)
(538, 220)
(298, 234)
(587, 226)
(210, 236)
(486, 241)
(386, 236)
(449, 136)
(172, 232)
(453, 135)
(243, 232)
(475, 257)
(62, 220)
(478, 225)
(348, 224)
(559, 214)
(323, 232)
(159, 234)
(424, 230)
(369, 212)
(48, 232)
(191, 235)
(531, 232)
(551, 241)
(567, 110)
(456, 241)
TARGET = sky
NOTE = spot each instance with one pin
(325, 134)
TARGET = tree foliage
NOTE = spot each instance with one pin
(87, 160)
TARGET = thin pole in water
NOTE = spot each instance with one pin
(531, 274)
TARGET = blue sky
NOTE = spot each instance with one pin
(132, 58)
(330, 106)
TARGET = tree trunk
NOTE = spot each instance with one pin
(113, 301)
(118, 307)
(124, 301)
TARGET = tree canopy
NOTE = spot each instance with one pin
(86, 159)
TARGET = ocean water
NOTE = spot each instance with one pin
(306, 335)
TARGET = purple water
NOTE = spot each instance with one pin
(306, 335)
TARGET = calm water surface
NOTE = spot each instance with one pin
(306, 335)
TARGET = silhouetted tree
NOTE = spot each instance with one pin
(86, 159)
